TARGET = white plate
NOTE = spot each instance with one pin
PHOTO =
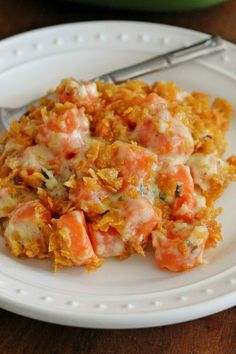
(133, 293)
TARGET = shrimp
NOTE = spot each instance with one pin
(154, 103)
(89, 195)
(128, 165)
(65, 131)
(70, 242)
(134, 219)
(175, 181)
(177, 188)
(140, 219)
(106, 243)
(32, 161)
(185, 202)
(26, 233)
(180, 246)
(136, 164)
(10, 196)
(211, 174)
(203, 168)
(36, 157)
(71, 90)
(169, 138)
(37, 166)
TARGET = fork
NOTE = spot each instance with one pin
(208, 46)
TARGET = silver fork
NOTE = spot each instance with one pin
(209, 46)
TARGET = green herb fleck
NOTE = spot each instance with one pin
(45, 175)
(179, 190)
(162, 196)
(208, 136)
(142, 189)
(16, 180)
(193, 249)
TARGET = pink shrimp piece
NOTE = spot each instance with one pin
(185, 207)
(79, 93)
(133, 219)
(154, 102)
(24, 233)
(179, 176)
(180, 247)
(203, 168)
(170, 139)
(11, 196)
(65, 132)
(184, 200)
(89, 198)
(184, 179)
(140, 219)
(34, 159)
(106, 243)
(136, 164)
(72, 244)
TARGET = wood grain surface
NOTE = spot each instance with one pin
(214, 334)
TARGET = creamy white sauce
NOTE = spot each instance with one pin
(26, 230)
(112, 248)
(36, 157)
(203, 167)
(181, 95)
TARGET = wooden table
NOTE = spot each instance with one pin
(211, 335)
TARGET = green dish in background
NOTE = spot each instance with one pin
(154, 5)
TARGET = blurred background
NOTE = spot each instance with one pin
(212, 16)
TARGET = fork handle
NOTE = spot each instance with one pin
(164, 61)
